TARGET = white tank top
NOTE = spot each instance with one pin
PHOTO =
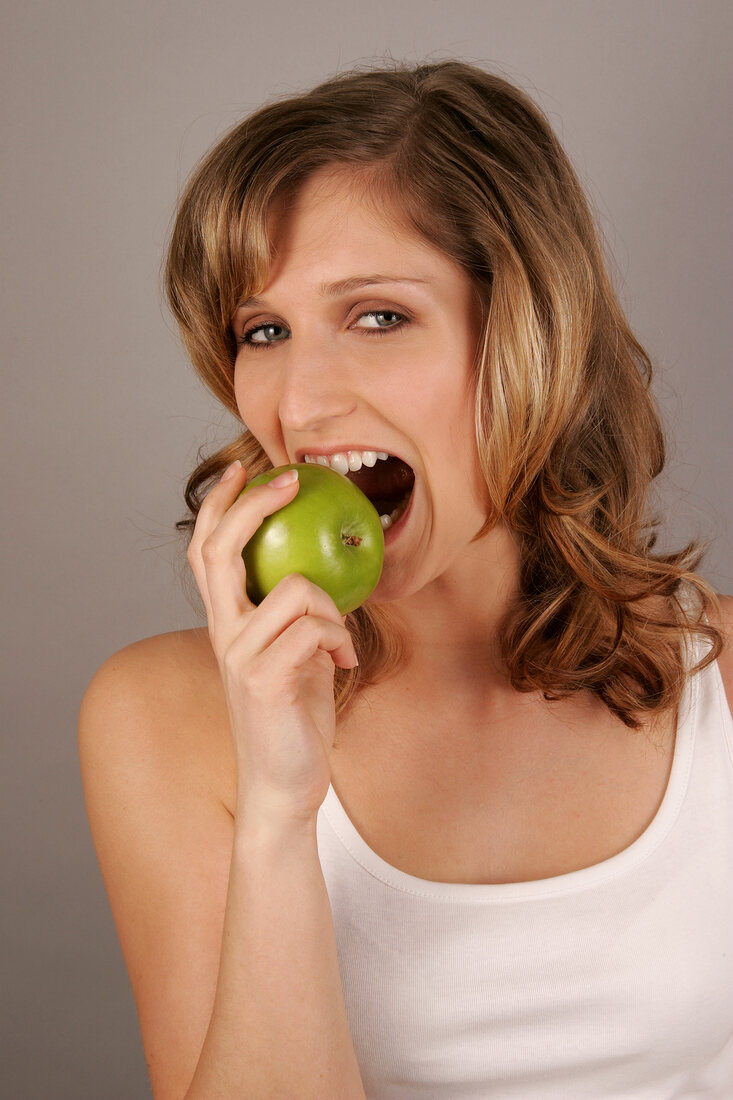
(611, 982)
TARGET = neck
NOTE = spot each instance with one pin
(452, 623)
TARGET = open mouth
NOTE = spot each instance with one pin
(388, 485)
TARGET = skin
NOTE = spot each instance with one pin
(325, 379)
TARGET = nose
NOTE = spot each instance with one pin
(315, 388)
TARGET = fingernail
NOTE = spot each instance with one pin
(231, 470)
(282, 480)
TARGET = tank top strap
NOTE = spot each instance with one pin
(695, 647)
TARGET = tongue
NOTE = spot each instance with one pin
(387, 482)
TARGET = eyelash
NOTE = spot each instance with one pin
(243, 341)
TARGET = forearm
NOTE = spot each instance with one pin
(278, 1028)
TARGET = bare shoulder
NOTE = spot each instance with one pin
(178, 658)
(724, 623)
(167, 688)
(155, 755)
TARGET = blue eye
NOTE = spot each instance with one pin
(247, 338)
(381, 313)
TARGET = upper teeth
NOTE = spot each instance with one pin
(345, 461)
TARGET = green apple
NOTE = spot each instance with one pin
(330, 532)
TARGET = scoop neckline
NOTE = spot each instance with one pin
(570, 882)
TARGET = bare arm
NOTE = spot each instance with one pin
(279, 1026)
(226, 925)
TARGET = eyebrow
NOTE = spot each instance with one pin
(343, 286)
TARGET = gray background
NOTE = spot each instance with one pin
(107, 107)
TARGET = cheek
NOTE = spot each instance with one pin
(257, 407)
(238, 386)
(247, 395)
(242, 379)
(464, 452)
(458, 408)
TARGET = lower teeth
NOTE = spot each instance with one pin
(387, 521)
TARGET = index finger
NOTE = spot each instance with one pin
(224, 570)
(219, 498)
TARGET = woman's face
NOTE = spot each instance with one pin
(385, 366)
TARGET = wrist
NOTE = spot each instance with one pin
(266, 819)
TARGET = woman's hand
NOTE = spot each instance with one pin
(276, 660)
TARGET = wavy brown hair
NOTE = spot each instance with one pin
(567, 430)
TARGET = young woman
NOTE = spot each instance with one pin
(494, 857)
